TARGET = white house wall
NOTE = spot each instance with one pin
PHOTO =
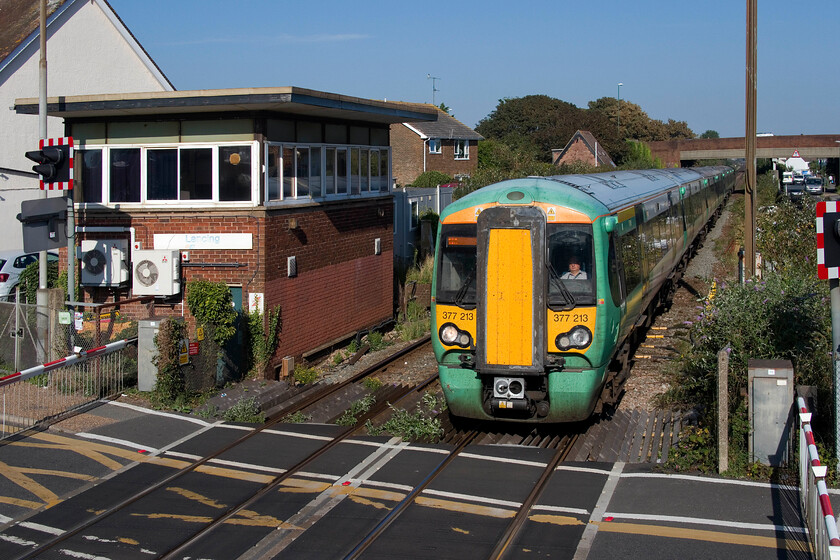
(86, 54)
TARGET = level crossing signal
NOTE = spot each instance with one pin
(54, 163)
(828, 240)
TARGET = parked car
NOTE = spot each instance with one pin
(814, 185)
(796, 191)
(12, 263)
(798, 179)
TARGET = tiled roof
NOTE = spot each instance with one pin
(446, 127)
(18, 20)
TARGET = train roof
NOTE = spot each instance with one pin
(596, 193)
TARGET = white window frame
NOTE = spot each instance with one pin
(435, 146)
(145, 148)
(366, 188)
(466, 154)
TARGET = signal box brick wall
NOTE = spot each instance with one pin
(407, 156)
(341, 287)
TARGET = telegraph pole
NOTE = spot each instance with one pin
(42, 131)
(750, 185)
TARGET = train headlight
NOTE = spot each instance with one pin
(451, 335)
(578, 337)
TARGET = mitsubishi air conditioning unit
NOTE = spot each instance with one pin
(156, 272)
(103, 262)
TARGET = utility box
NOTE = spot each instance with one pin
(146, 352)
(770, 404)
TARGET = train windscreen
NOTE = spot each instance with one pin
(571, 265)
(456, 273)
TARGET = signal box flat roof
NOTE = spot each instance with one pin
(290, 100)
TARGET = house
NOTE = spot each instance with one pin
(283, 194)
(582, 147)
(444, 145)
(89, 50)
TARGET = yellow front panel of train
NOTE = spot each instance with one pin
(510, 298)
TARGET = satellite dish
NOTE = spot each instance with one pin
(146, 272)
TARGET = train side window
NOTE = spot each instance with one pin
(631, 258)
(615, 274)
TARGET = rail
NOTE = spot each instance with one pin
(46, 392)
(819, 515)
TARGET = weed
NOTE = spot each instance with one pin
(297, 418)
(353, 347)
(338, 358)
(372, 384)
(376, 341)
(246, 410)
(357, 408)
(305, 375)
(422, 424)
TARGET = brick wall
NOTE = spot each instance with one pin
(578, 151)
(341, 286)
(406, 154)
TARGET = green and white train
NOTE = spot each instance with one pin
(521, 332)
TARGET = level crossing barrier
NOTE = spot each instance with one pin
(819, 514)
(46, 392)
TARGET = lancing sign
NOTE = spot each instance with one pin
(182, 241)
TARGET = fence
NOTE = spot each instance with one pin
(813, 492)
(44, 392)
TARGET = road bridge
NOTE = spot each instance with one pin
(810, 147)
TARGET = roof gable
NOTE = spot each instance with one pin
(588, 140)
(20, 26)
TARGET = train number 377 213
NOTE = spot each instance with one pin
(458, 315)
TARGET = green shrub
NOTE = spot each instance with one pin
(170, 387)
(305, 375)
(211, 303)
(372, 384)
(431, 179)
(376, 341)
(262, 342)
(246, 410)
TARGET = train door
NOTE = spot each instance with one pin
(511, 290)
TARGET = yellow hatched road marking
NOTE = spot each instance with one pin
(39, 490)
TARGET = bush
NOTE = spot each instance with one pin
(211, 303)
(431, 179)
(170, 388)
(305, 375)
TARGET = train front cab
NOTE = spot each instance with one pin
(514, 340)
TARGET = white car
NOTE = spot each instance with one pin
(12, 263)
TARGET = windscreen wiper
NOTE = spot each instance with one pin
(561, 287)
(462, 292)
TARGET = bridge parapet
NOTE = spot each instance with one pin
(672, 152)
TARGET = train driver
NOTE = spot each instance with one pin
(575, 273)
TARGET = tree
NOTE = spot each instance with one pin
(533, 124)
(710, 134)
(445, 108)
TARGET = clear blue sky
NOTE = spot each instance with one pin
(677, 59)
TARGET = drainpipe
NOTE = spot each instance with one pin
(425, 145)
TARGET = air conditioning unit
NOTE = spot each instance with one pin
(156, 272)
(103, 262)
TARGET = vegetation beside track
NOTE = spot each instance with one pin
(782, 315)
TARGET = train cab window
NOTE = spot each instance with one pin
(571, 264)
(456, 273)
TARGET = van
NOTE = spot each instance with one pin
(787, 177)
